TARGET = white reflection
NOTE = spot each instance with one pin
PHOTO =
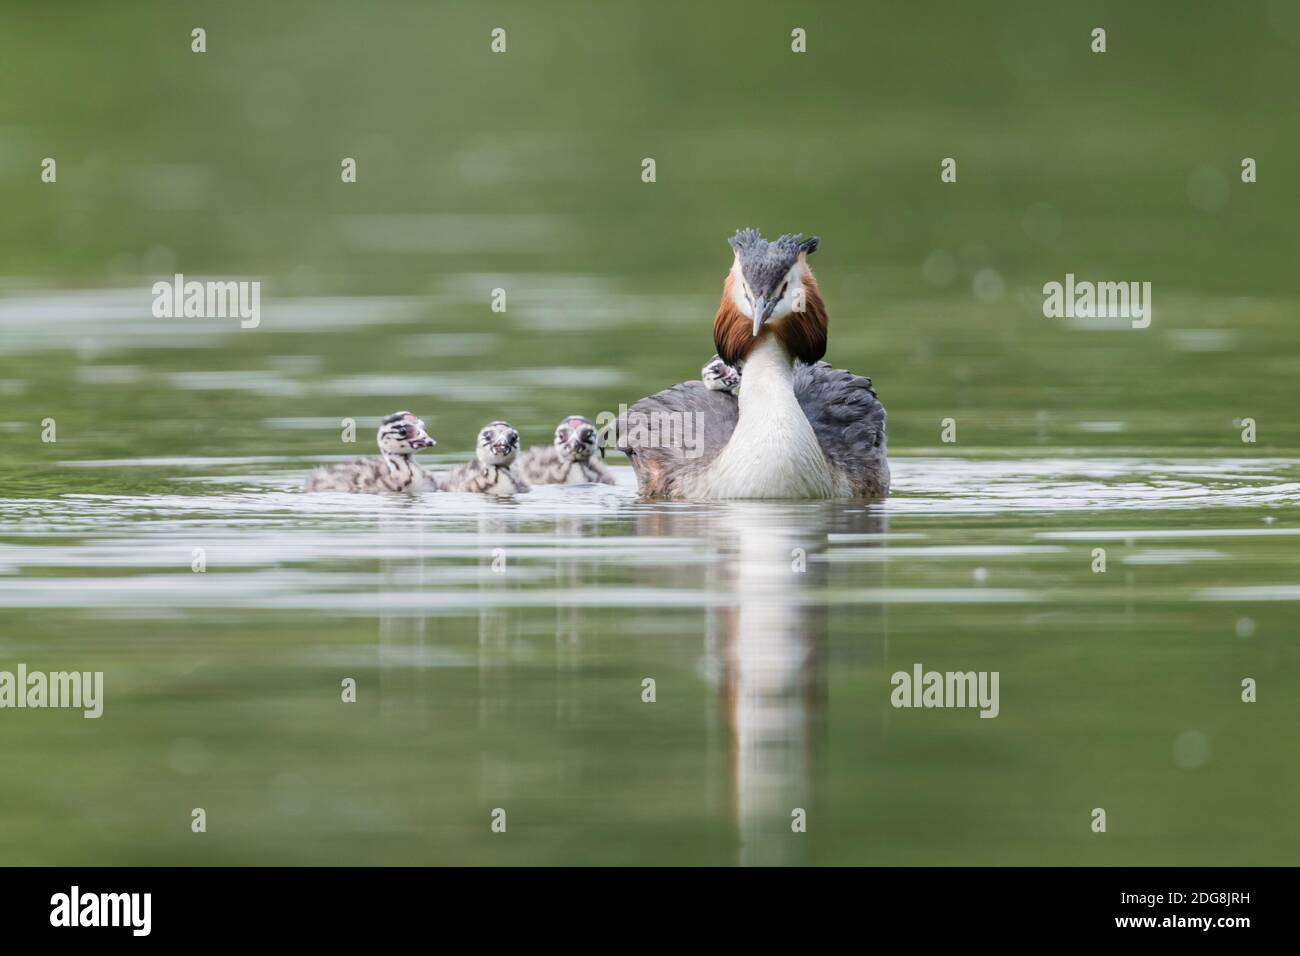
(403, 639)
(766, 648)
(773, 682)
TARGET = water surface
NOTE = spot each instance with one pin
(500, 650)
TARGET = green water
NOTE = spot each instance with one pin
(500, 648)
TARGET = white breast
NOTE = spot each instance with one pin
(774, 452)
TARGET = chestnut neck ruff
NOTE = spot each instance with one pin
(802, 333)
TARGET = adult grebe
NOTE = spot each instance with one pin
(400, 436)
(798, 428)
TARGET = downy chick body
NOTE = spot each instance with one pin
(492, 472)
(572, 459)
(400, 436)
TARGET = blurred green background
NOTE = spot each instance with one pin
(523, 171)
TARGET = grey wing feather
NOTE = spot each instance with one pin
(850, 424)
(675, 434)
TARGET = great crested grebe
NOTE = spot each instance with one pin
(400, 436)
(573, 459)
(492, 471)
(798, 428)
(718, 376)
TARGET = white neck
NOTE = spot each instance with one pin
(768, 371)
(773, 452)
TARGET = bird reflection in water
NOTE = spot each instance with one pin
(766, 573)
(766, 653)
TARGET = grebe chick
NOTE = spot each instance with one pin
(400, 436)
(798, 428)
(718, 376)
(573, 459)
(492, 471)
